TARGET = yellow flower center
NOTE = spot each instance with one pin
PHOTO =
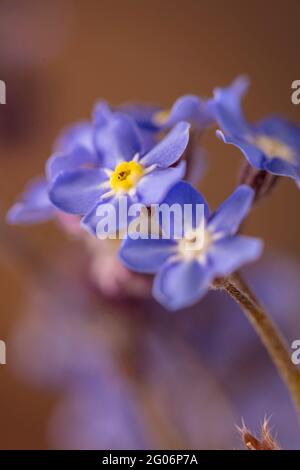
(273, 147)
(126, 176)
(161, 117)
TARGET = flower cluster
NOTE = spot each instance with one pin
(143, 154)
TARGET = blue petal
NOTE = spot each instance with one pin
(230, 253)
(181, 284)
(250, 151)
(169, 149)
(76, 192)
(153, 187)
(232, 212)
(80, 134)
(280, 128)
(34, 207)
(227, 107)
(192, 109)
(280, 167)
(142, 114)
(117, 139)
(146, 256)
(183, 194)
(102, 113)
(77, 158)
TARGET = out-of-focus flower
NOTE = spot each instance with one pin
(114, 368)
(265, 442)
(102, 413)
(272, 145)
(190, 108)
(186, 269)
(124, 170)
(109, 274)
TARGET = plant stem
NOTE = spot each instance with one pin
(267, 330)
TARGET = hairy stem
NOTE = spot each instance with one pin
(267, 330)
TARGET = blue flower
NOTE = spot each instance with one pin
(123, 169)
(272, 145)
(190, 108)
(34, 205)
(184, 274)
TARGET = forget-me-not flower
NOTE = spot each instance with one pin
(272, 145)
(184, 273)
(124, 169)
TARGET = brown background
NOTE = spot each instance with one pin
(58, 57)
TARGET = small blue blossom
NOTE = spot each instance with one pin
(272, 145)
(183, 275)
(34, 205)
(123, 169)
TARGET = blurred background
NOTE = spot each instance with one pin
(57, 58)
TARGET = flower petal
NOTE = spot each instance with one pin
(34, 206)
(277, 166)
(146, 256)
(170, 148)
(153, 187)
(282, 129)
(80, 134)
(252, 153)
(192, 109)
(228, 109)
(117, 139)
(181, 284)
(232, 212)
(77, 158)
(76, 192)
(230, 253)
(182, 194)
(142, 114)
